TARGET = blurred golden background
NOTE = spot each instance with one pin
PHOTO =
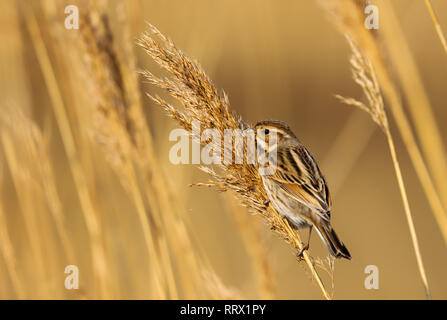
(276, 60)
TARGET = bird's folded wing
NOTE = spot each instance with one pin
(299, 176)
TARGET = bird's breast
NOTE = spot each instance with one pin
(287, 206)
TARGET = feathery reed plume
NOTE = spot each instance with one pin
(364, 75)
(216, 289)
(328, 266)
(123, 132)
(202, 102)
(88, 207)
(113, 128)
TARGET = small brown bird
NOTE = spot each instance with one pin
(296, 188)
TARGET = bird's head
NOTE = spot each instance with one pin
(268, 128)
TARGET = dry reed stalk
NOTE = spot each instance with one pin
(190, 85)
(256, 247)
(365, 76)
(26, 188)
(27, 133)
(6, 247)
(347, 148)
(417, 100)
(7, 251)
(437, 25)
(348, 17)
(14, 74)
(88, 208)
(33, 157)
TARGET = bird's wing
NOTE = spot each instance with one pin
(298, 174)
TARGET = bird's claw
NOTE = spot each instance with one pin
(304, 247)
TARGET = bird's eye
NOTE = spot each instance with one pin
(266, 131)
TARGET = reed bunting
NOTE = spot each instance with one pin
(296, 188)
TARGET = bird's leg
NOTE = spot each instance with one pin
(305, 246)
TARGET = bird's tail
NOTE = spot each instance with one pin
(331, 240)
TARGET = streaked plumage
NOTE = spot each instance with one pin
(297, 189)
